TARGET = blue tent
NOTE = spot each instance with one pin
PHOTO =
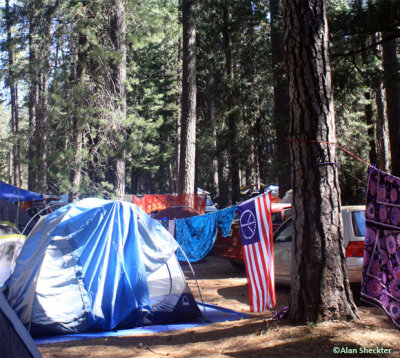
(12, 193)
(98, 265)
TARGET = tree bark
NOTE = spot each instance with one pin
(381, 135)
(33, 92)
(211, 120)
(77, 121)
(369, 120)
(382, 145)
(319, 286)
(391, 82)
(281, 99)
(14, 100)
(118, 34)
(230, 107)
(41, 117)
(186, 182)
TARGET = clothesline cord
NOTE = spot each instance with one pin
(291, 139)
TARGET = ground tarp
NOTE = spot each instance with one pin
(213, 314)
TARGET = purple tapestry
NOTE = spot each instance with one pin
(381, 268)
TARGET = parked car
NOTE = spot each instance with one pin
(353, 230)
(230, 247)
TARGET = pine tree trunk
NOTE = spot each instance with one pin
(369, 120)
(186, 182)
(281, 99)
(382, 143)
(41, 118)
(392, 87)
(230, 104)
(319, 287)
(77, 130)
(211, 120)
(16, 171)
(118, 34)
(33, 91)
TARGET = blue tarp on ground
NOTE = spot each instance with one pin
(12, 193)
(213, 314)
(84, 267)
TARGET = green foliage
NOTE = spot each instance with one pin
(153, 89)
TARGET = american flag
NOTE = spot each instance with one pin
(256, 229)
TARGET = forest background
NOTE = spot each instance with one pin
(92, 95)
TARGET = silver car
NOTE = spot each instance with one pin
(354, 233)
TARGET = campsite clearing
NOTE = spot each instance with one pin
(223, 285)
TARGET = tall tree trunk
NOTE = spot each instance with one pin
(77, 121)
(33, 92)
(186, 180)
(230, 104)
(41, 119)
(382, 145)
(392, 87)
(369, 120)
(320, 289)
(13, 99)
(118, 34)
(281, 99)
(211, 120)
(382, 142)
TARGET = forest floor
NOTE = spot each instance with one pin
(225, 286)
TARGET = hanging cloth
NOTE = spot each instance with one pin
(381, 268)
(196, 235)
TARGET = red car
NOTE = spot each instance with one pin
(230, 247)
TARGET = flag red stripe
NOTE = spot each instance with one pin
(250, 276)
(265, 257)
(259, 259)
(266, 224)
(260, 274)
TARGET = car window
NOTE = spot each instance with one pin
(276, 217)
(284, 234)
(287, 213)
(358, 221)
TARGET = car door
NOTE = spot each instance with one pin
(282, 252)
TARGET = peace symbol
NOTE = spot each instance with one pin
(248, 224)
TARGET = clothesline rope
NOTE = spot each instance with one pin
(291, 139)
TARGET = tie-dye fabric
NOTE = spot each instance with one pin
(381, 268)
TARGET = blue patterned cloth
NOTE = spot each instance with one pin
(196, 235)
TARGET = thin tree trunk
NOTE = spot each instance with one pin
(230, 104)
(320, 289)
(118, 33)
(281, 99)
(211, 120)
(14, 100)
(391, 82)
(371, 128)
(382, 143)
(41, 120)
(33, 90)
(383, 154)
(186, 182)
(77, 121)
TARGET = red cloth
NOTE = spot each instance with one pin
(154, 202)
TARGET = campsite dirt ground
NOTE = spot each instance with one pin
(223, 285)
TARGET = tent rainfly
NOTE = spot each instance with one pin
(99, 265)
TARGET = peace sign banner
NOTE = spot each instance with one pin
(256, 229)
